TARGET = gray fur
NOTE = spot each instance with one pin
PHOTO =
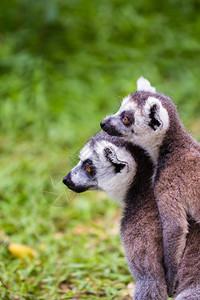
(189, 269)
(157, 128)
(140, 228)
(192, 293)
(149, 289)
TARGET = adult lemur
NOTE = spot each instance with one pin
(150, 119)
(125, 172)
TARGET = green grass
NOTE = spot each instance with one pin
(64, 65)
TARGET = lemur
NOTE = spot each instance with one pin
(150, 120)
(124, 171)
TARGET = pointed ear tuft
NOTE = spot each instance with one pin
(144, 85)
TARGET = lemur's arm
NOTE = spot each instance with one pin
(175, 228)
(189, 267)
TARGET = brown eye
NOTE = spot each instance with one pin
(88, 169)
(125, 119)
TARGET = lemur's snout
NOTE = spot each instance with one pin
(102, 124)
(68, 182)
(108, 127)
(72, 186)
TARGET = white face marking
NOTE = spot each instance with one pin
(144, 85)
(115, 184)
(161, 113)
(85, 152)
(78, 176)
(147, 136)
(126, 100)
(127, 104)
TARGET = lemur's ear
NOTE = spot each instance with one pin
(111, 156)
(155, 121)
(144, 85)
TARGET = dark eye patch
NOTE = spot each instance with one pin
(129, 115)
(88, 162)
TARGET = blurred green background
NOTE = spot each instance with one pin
(64, 65)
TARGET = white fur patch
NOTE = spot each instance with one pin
(147, 137)
(76, 177)
(127, 105)
(162, 113)
(144, 85)
(140, 132)
(85, 152)
(126, 100)
(114, 184)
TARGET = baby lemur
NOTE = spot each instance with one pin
(125, 172)
(150, 120)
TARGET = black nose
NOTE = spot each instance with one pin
(64, 181)
(102, 124)
(68, 182)
(75, 188)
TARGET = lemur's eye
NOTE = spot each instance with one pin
(125, 120)
(88, 169)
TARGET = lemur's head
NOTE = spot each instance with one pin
(104, 164)
(143, 118)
